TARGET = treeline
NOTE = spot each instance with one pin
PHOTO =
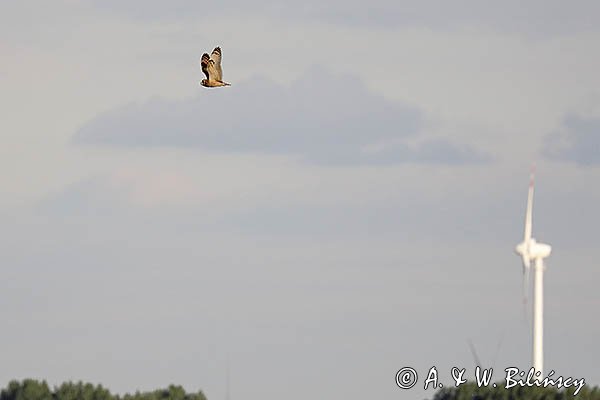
(30, 389)
(470, 391)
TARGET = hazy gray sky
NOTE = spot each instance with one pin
(348, 207)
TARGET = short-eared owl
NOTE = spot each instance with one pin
(211, 66)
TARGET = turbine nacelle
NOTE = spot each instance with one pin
(531, 249)
(539, 250)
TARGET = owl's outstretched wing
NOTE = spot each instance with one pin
(216, 57)
(208, 67)
(204, 64)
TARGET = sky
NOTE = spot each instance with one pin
(347, 208)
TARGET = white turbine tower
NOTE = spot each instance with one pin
(530, 250)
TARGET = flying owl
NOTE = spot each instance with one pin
(211, 66)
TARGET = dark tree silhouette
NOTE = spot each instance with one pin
(30, 389)
(470, 391)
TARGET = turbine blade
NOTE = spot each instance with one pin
(526, 269)
(474, 354)
(498, 349)
(526, 279)
(526, 261)
(528, 218)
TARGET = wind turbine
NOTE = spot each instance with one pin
(529, 249)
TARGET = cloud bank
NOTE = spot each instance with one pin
(577, 141)
(320, 118)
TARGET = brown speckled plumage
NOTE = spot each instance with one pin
(211, 66)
